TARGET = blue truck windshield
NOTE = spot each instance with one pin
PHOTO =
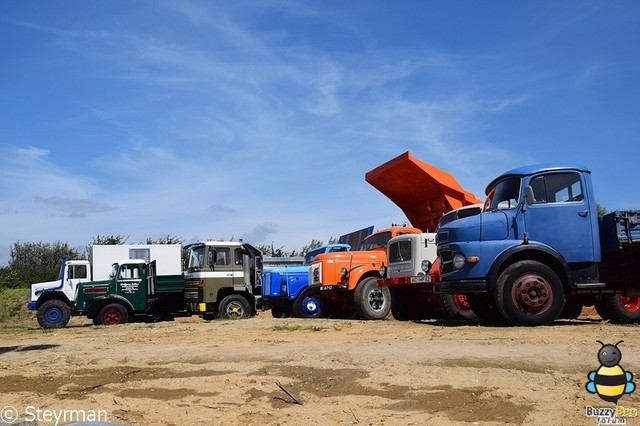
(504, 195)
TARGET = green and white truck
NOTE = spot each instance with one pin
(54, 300)
(134, 292)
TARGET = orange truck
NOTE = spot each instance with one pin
(346, 282)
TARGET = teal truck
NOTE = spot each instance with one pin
(133, 292)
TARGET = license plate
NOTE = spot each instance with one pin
(421, 279)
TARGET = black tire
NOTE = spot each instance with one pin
(53, 314)
(112, 314)
(622, 309)
(307, 306)
(372, 303)
(456, 307)
(405, 306)
(485, 308)
(529, 293)
(572, 310)
(234, 306)
(402, 307)
(280, 311)
(602, 308)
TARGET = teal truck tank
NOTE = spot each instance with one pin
(133, 292)
(539, 251)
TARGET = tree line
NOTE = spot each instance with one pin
(33, 262)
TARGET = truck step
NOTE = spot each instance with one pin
(590, 285)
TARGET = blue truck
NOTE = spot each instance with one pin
(282, 288)
(540, 251)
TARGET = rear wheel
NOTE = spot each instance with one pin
(53, 314)
(112, 314)
(234, 306)
(572, 310)
(602, 309)
(529, 293)
(280, 311)
(403, 308)
(623, 309)
(484, 307)
(307, 306)
(372, 303)
(456, 306)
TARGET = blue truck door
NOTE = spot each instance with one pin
(559, 216)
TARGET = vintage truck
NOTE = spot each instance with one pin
(54, 300)
(133, 292)
(223, 278)
(282, 287)
(345, 283)
(539, 248)
(412, 273)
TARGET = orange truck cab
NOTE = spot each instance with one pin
(346, 282)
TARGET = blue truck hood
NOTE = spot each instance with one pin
(482, 227)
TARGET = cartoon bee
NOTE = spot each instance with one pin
(610, 381)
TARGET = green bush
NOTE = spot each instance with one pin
(10, 279)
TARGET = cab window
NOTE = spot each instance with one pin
(557, 188)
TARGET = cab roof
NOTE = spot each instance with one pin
(536, 168)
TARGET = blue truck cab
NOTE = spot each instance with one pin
(282, 288)
(539, 247)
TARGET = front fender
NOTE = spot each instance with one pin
(94, 305)
(531, 251)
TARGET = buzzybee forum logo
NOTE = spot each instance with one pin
(610, 381)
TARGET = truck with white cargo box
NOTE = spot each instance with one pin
(54, 299)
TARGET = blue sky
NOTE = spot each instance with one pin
(259, 119)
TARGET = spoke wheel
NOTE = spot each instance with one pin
(372, 303)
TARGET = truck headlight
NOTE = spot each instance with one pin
(459, 261)
(425, 266)
(344, 272)
(383, 271)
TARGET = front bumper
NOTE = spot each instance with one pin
(421, 280)
(32, 306)
(329, 288)
(462, 287)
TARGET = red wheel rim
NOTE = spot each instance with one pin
(461, 302)
(630, 304)
(112, 317)
(532, 294)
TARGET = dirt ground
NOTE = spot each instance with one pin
(345, 372)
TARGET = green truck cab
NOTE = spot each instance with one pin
(223, 278)
(133, 292)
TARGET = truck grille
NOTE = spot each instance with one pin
(446, 261)
(315, 274)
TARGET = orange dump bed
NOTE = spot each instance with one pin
(422, 191)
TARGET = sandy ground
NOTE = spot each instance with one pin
(345, 372)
